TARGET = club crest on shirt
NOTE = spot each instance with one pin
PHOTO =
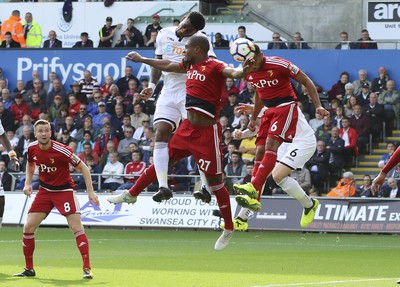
(51, 160)
(270, 73)
(203, 68)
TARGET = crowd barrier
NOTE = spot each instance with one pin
(184, 211)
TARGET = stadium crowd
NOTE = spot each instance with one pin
(110, 128)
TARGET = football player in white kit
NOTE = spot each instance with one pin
(13, 157)
(170, 108)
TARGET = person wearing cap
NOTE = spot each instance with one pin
(85, 42)
(107, 33)
(76, 90)
(363, 96)
(154, 27)
(98, 119)
(19, 109)
(362, 78)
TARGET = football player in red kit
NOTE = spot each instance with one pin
(57, 189)
(200, 134)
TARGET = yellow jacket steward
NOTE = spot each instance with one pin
(34, 37)
(13, 26)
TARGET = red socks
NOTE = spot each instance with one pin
(263, 171)
(28, 247)
(147, 177)
(83, 246)
(222, 195)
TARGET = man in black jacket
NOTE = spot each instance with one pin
(52, 42)
(319, 166)
(365, 42)
(9, 42)
(85, 42)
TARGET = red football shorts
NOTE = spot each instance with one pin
(203, 142)
(278, 123)
(65, 201)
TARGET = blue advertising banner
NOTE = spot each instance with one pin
(323, 66)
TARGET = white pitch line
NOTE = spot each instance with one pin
(328, 282)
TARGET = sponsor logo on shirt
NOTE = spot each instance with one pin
(171, 48)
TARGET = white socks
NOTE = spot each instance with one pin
(161, 160)
(293, 188)
(244, 213)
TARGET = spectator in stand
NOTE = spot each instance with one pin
(390, 99)
(59, 121)
(154, 27)
(365, 42)
(32, 32)
(323, 132)
(362, 78)
(107, 32)
(338, 116)
(135, 35)
(107, 86)
(80, 117)
(138, 116)
(123, 145)
(308, 106)
(338, 89)
(23, 143)
(111, 99)
(246, 94)
(85, 42)
(349, 135)
(130, 92)
(219, 41)
(19, 109)
(65, 138)
(298, 42)
(146, 145)
(379, 83)
(133, 170)
(318, 166)
(57, 90)
(117, 121)
(344, 42)
(123, 82)
(14, 26)
(112, 172)
(74, 105)
(92, 107)
(35, 76)
(139, 132)
(6, 98)
(348, 107)
(26, 122)
(68, 126)
(88, 85)
(52, 42)
(9, 42)
(392, 189)
(20, 89)
(236, 169)
(277, 42)
(229, 87)
(345, 188)
(385, 158)
(363, 97)
(316, 122)
(349, 91)
(132, 148)
(54, 109)
(228, 138)
(90, 158)
(228, 109)
(176, 22)
(335, 147)
(152, 41)
(36, 107)
(248, 149)
(376, 114)
(98, 119)
(302, 176)
(7, 118)
(360, 122)
(228, 155)
(365, 189)
(242, 33)
(234, 121)
(87, 139)
(125, 40)
(87, 127)
(101, 143)
(48, 85)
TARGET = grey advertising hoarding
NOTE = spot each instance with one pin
(336, 215)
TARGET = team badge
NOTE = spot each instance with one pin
(203, 68)
(270, 73)
(51, 160)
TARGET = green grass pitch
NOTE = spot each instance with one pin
(185, 258)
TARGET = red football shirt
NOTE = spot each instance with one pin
(53, 165)
(273, 80)
(204, 83)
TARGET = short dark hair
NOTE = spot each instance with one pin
(85, 34)
(87, 133)
(242, 27)
(197, 20)
(8, 34)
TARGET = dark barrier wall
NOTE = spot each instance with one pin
(323, 66)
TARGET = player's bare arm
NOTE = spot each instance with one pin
(258, 105)
(93, 198)
(11, 153)
(303, 79)
(30, 169)
(378, 182)
(155, 76)
(163, 65)
(238, 73)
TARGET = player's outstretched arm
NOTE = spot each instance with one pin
(88, 181)
(163, 65)
(238, 73)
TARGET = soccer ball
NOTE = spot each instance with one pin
(241, 49)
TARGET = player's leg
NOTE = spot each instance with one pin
(28, 241)
(204, 194)
(75, 224)
(163, 131)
